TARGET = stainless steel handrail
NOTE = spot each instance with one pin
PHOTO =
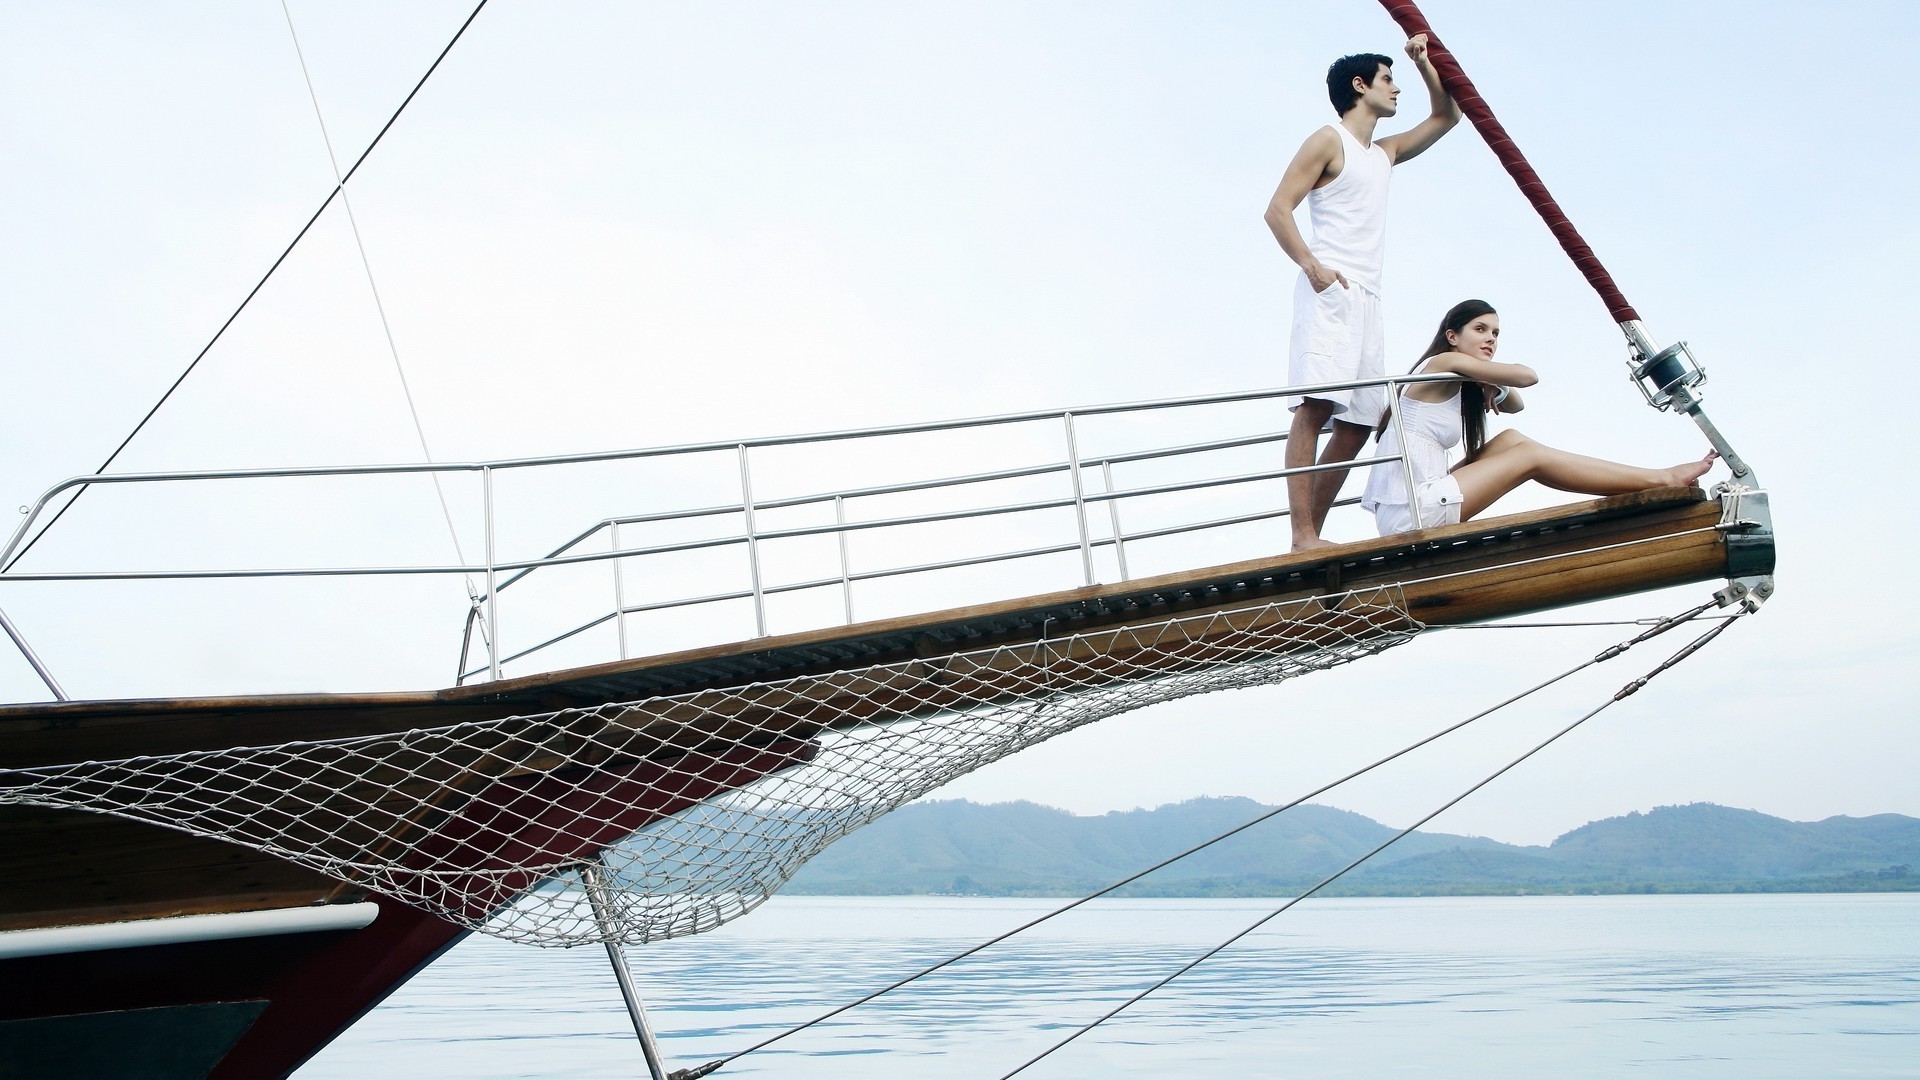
(685, 448)
(898, 571)
(524, 566)
(501, 573)
(795, 501)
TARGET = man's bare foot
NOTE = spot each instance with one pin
(1311, 543)
(1685, 475)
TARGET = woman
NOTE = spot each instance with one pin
(1438, 415)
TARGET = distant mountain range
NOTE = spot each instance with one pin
(1025, 849)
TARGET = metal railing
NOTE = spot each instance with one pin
(1077, 496)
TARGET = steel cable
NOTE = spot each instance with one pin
(339, 189)
(1660, 627)
(1624, 692)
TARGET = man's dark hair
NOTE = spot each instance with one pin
(1364, 66)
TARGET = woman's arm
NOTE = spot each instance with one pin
(1480, 370)
(1502, 399)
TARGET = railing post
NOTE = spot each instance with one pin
(753, 546)
(1406, 462)
(1113, 518)
(493, 591)
(26, 650)
(846, 574)
(619, 591)
(27, 518)
(1079, 500)
(466, 638)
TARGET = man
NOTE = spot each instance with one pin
(1341, 172)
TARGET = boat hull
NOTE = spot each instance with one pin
(239, 1008)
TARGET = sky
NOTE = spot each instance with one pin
(605, 226)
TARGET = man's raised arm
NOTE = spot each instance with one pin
(1408, 144)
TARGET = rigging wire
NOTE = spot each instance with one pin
(1660, 626)
(1624, 692)
(1551, 625)
(339, 189)
(386, 327)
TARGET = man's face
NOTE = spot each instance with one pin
(1382, 97)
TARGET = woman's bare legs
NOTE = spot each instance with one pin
(1510, 459)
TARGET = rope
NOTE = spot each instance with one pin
(1660, 626)
(1624, 692)
(339, 189)
(1454, 78)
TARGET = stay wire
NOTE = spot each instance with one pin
(1620, 695)
(1661, 627)
(379, 306)
(339, 189)
(1552, 625)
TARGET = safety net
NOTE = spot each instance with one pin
(644, 820)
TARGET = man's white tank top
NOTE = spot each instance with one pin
(1349, 215)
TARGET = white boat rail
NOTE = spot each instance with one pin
(1097, 532)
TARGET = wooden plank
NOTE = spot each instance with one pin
(67, 867)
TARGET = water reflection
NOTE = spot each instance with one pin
(1576, 986)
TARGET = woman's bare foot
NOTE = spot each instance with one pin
(1685, 475)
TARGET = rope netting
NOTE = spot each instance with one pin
(683, 812)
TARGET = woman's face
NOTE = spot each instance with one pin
(1479, 338)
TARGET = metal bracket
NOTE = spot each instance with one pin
(1684, 397)
(1745, 517)
(1747, 520)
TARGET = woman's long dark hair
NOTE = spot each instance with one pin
(1473, 402)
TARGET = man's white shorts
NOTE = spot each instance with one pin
(1338, 337)
(1440, 501)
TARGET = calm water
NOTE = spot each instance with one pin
(1680, 986)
